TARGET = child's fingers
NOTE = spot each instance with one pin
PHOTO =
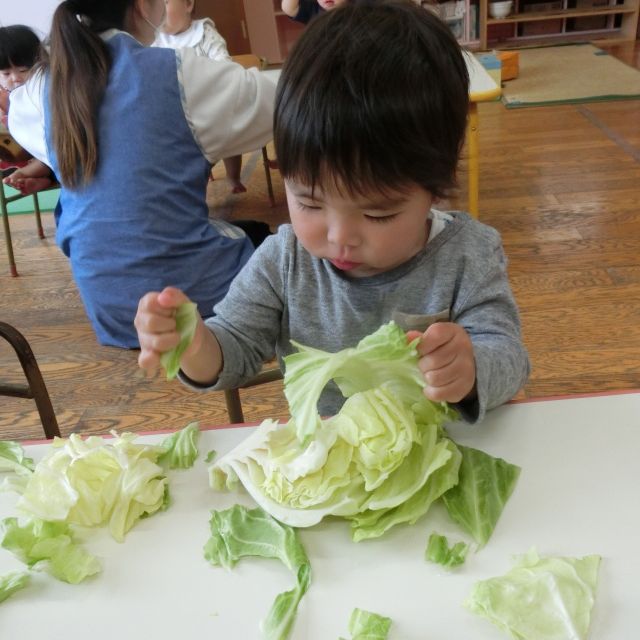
(436, 336)
(172, 298)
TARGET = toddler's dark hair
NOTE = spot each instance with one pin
(373, 96)
(19, 47)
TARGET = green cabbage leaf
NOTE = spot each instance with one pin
(439, 552)
(186, 323)
(12, 458)
(238, 532)
(12, 582)
(477, 500)
(540, 598)
(50, 544)
(180, 449)
(365, 625)
(382, 357)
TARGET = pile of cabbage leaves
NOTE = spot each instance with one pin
(382, 460)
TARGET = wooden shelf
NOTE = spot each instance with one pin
(621, 26)
(534, 16)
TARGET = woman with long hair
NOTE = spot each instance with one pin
(131, 133)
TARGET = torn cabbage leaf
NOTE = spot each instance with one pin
(186, 323)
(12, 582)
(95, 481)
(49, 543)
(180, 449)
(477, 500)
(439, 552)
(382, 357)
(540, 598)
(238, 532)
(365, 625)
(12, 458)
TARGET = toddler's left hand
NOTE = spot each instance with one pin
(447, 362)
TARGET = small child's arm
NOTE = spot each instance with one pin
(291, 7)
(155, 323)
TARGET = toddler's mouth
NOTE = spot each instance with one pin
(345, 265)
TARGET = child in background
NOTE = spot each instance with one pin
(368, 132)
(20, 49)
(303, 10)
(180, 31)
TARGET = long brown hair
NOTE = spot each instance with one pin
(79, 64)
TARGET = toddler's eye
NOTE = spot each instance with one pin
(381, 219)
(307, 207)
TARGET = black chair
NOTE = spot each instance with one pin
(232, 396)
(35, 389)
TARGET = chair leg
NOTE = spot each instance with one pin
(7, 234)
(36, 388)
(267, 172)
(36, 208)
(234, 406)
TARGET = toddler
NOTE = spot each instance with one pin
(368, 132)
(19, 51)
(304, 10)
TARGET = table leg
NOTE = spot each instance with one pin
(472, 142)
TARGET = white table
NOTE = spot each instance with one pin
(577, 495)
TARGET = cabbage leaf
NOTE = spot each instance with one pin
(477, 500)
(52, 544)
(180, 449)
(12, 458)
(238, 532)
(382, 357)
(540, 598)
(186, 323)
(365, 625)
(12, 582)
(439, 552)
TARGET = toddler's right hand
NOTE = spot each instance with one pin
(155, 323)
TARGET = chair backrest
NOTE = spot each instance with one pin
(35, 389)
(232, 396)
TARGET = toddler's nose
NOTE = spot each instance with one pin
(343, 233)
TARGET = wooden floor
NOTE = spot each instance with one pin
(562, 185)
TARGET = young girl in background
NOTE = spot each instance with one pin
(131, 132)
(304, 10)
(180, 30)
(368, 132)
(20, 49)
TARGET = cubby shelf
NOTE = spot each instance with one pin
(559, 21)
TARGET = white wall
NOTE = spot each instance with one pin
(34, 13)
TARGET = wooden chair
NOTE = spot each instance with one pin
(35, 389)
(248, 61)
(4, 203)
(232, 396)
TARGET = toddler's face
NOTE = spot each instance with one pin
(327, 5)
(178, 16)
(360, 235)
(13, 77)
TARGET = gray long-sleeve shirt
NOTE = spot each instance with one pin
(284, 293)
